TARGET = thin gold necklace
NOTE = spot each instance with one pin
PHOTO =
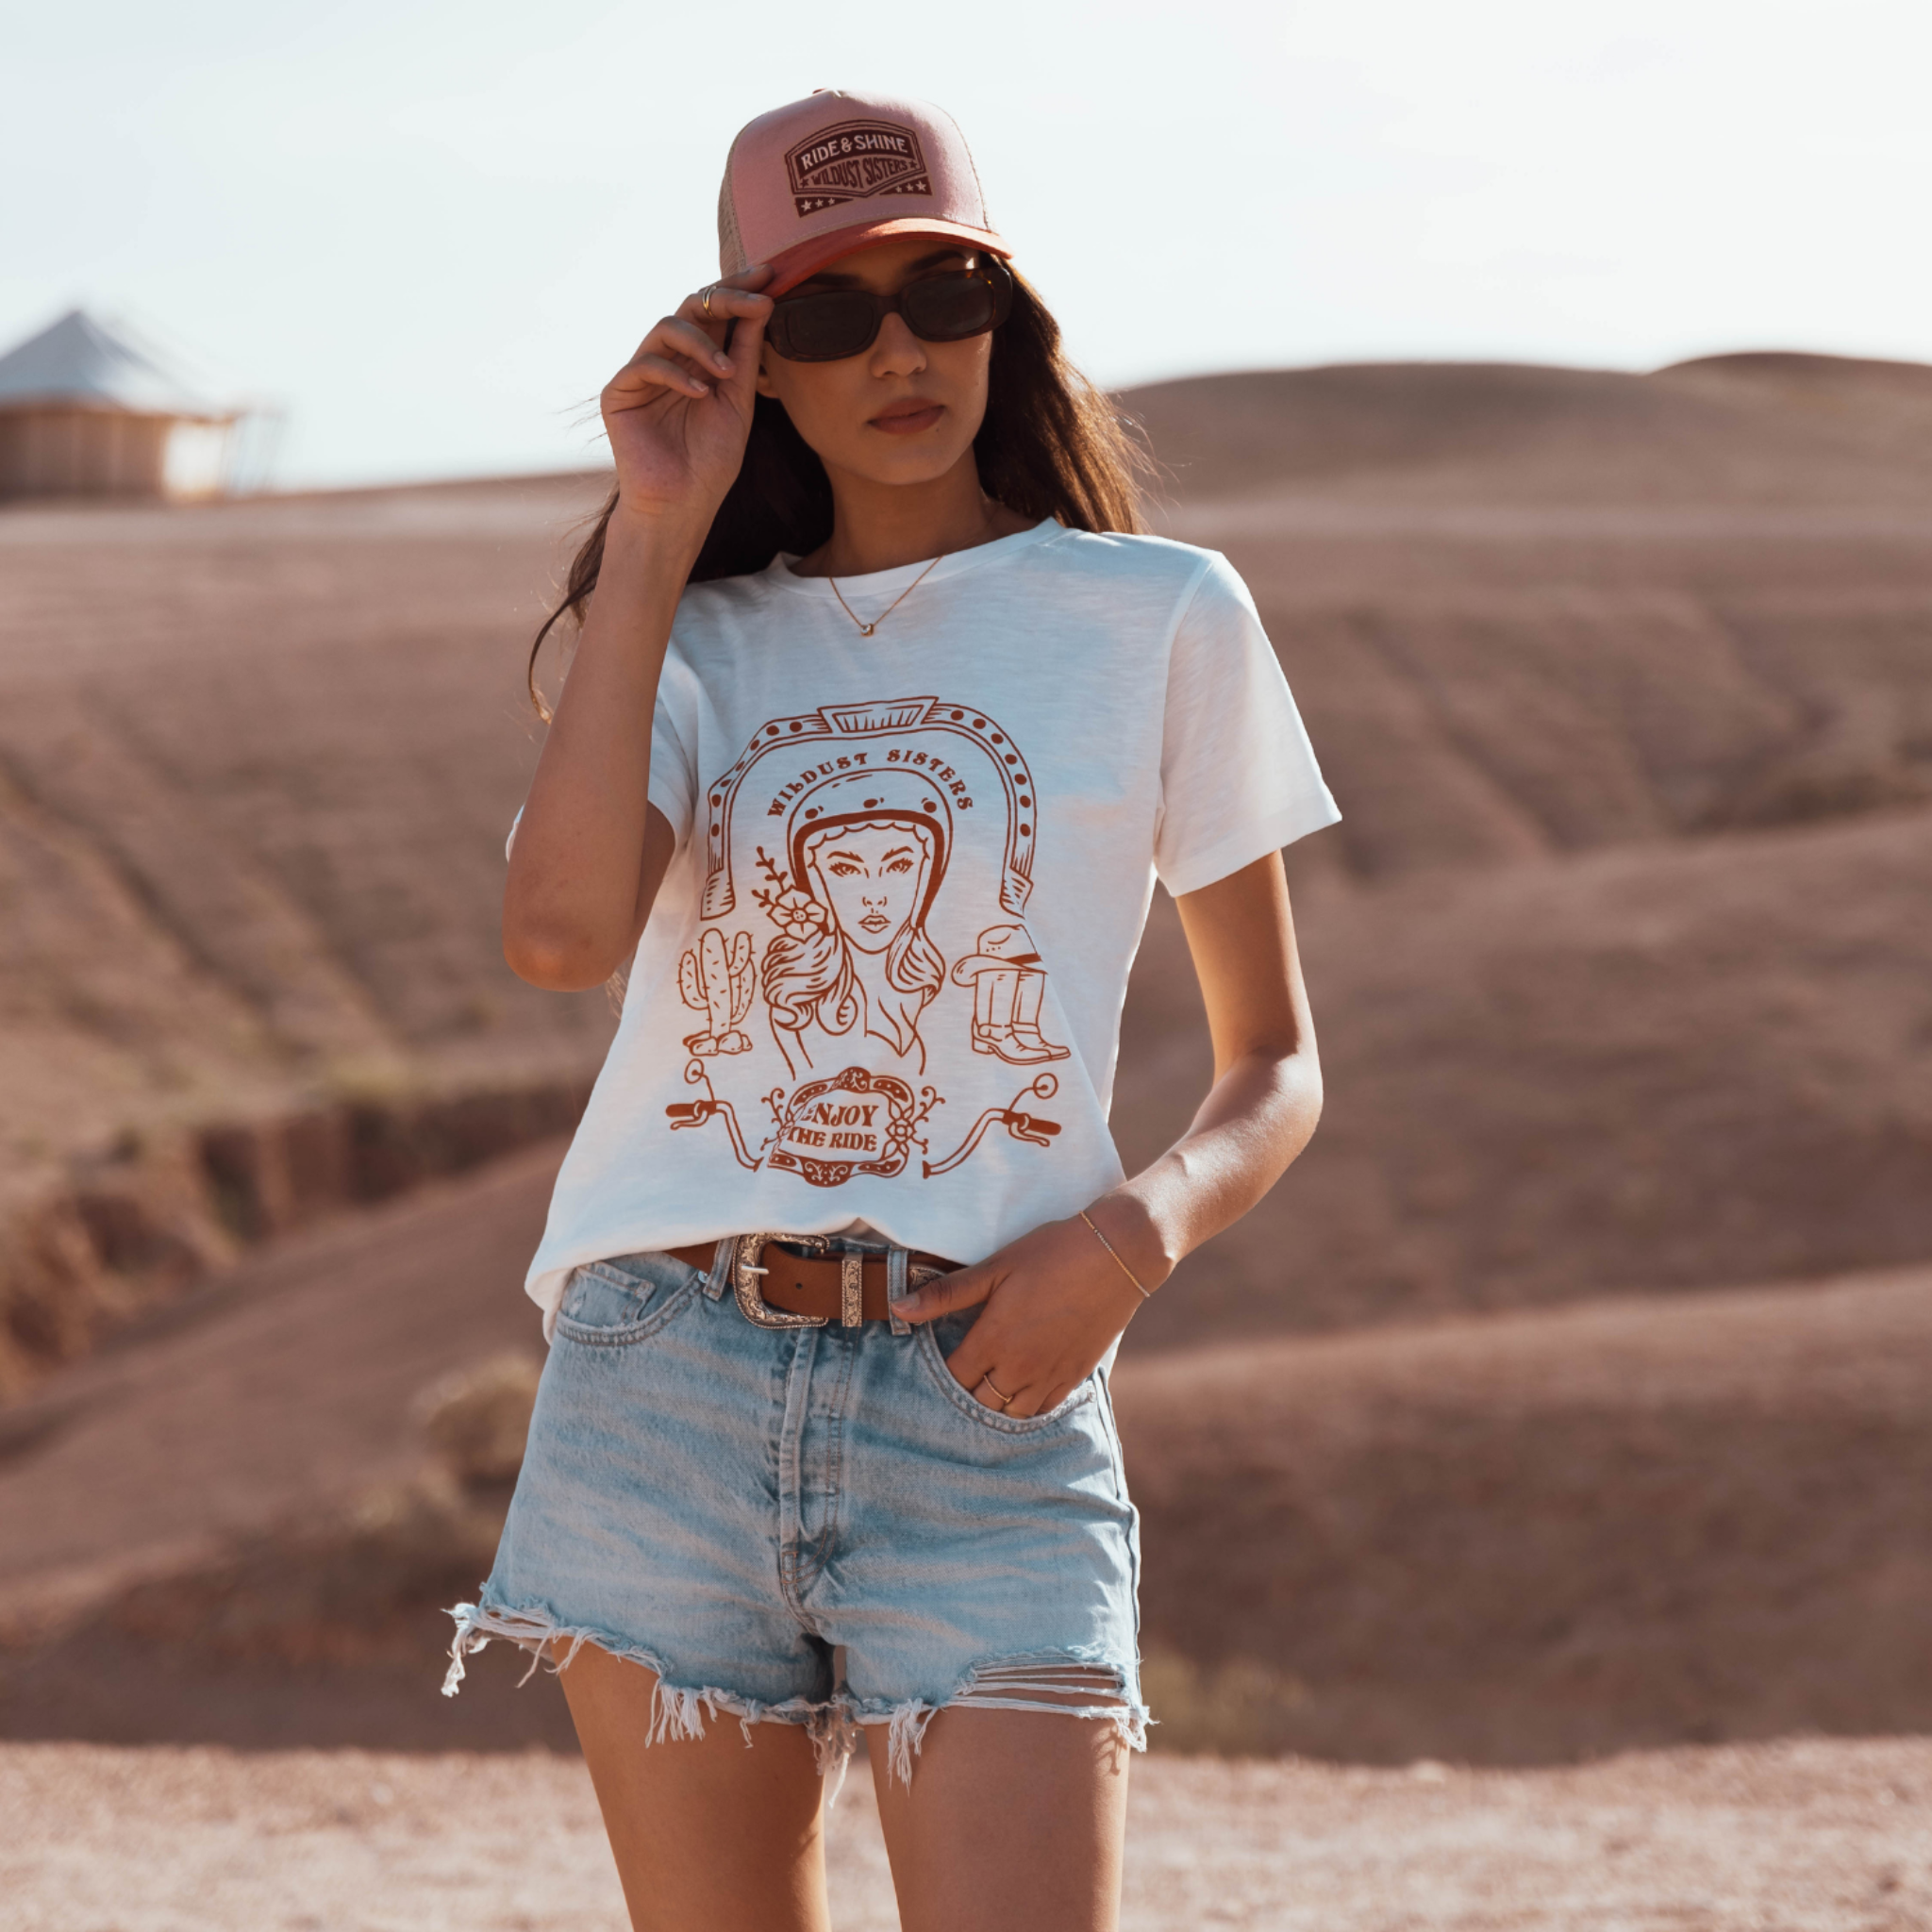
(865, 631)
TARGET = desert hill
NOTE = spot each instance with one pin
(1766, 429)
(257, 762)
(1637, 1068)
(1625, 684)
(1538, 1536)
(284, 739)
(1523, 1538)
(1627, 924)
(1616, 1227)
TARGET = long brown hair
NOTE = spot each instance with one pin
(1051, 445)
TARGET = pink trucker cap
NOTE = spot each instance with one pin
(809, 182)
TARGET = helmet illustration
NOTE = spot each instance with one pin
(895, 798)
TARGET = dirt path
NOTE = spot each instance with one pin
(1801, 1836)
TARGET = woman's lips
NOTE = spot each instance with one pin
(875, 921)
(908, 418)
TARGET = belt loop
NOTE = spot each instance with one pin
(896, 1259)
(719, 1279)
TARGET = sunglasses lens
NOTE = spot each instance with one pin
(948, 309)
(826, 328)
(843, 322)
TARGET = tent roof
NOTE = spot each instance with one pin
(97, 365)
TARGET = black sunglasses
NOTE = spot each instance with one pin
(833, 324)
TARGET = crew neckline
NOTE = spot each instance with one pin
(886, 582)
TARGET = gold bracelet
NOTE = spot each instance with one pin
(1146, 1294)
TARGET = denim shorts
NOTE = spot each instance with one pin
(815, 1526)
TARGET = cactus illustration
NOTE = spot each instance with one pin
(717, 980)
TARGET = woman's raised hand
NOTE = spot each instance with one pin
(678, 412)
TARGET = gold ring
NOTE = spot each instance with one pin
(704, 298)
(987, 1382)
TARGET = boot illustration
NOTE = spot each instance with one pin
(718, 983)
(1024, 1030)
(1008, 984)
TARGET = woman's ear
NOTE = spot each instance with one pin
(763, 380)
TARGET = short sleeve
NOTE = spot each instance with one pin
(672, 788)
(1237, 775)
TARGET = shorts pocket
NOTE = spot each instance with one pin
(937, 1340)
(614, 1304)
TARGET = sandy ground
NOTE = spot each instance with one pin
(1800, 1837)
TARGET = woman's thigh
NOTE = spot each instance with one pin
(1014, 1822)
(705, 1833)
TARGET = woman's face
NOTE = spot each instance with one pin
(870, 876)
(903, 410)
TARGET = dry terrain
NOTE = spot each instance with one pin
(259, 759)
(1519, 1537)
(1619, 955)
(1625, 684)
(1803, 1837)
(257, 762)
(1566, 1401)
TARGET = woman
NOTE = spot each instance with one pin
(852, 950)
(876, 681)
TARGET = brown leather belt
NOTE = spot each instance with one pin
(814, 1286)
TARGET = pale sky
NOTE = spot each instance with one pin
(431, 230)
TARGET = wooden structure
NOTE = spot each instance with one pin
(87, 410)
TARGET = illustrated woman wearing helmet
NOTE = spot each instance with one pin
(884, 719)
(868, 852)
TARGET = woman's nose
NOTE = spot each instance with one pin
(897, 351)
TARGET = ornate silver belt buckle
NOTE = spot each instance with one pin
(746, 1275)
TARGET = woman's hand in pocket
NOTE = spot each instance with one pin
(1056, 1302)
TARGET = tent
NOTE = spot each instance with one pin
(88, 409)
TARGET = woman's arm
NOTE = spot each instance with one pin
(1266, 1098)
(591, 850)
(1056, 1299)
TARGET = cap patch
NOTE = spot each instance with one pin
(852, 161)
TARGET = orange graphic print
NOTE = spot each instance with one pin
(1007, 987)
(867, 852)
(861, 812)
(1021, 1126)
(717, 980)
(855, 1122)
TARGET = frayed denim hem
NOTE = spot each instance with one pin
(677, 1711)
(1064, 1683)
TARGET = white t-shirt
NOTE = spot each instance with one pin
(882, 981)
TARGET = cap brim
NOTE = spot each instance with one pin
(796, 264)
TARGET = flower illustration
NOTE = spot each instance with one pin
(796, 914)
